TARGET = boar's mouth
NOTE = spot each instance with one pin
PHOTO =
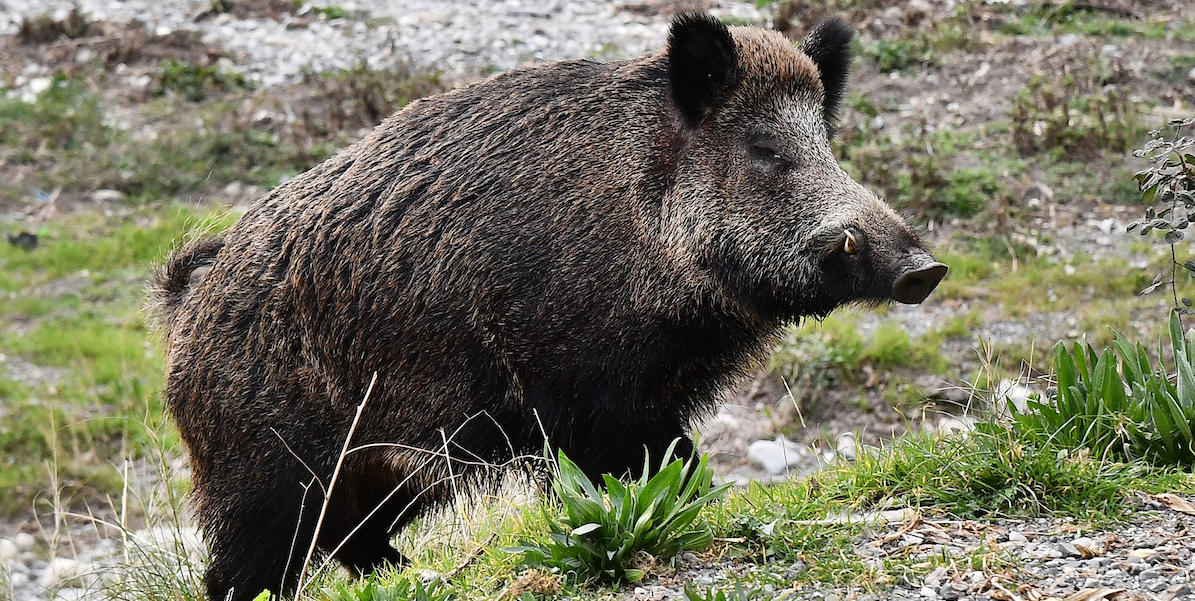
(918, 278)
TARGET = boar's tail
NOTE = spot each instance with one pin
(172, 281)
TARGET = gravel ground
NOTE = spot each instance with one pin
(450, 36)
(1147, 558)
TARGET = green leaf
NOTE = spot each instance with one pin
(585, 529)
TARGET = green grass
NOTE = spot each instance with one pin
(764, 529)
(196, 82)
(73, 307)
(65, 117)
(199, 147)
(1044, 20)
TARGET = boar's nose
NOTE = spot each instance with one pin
(915, 284)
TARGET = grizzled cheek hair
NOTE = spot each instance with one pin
(758, 174)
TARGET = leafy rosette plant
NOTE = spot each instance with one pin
(1117, 405)
(602, 533)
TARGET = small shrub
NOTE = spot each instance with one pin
(603, 534)
(916, 173)
(330, 12)
(1168, 189)
(1116, 405)
(361, 96)
(196, 82)
(900, 54)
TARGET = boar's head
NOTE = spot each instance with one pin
(759, 205)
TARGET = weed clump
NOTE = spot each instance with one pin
(196, 82)
(404, 589)
(605, 534)
(1118, 406)
(44, 29)
(64, 116)
(916, 173)
(1053, 115)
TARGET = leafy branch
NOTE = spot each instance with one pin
(1167, 185)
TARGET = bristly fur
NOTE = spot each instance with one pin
(701, 64)
(580, 251)
(171, 281)
(829, 45)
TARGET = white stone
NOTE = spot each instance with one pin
(776, 456)
(934, 578)
(37, 85)
(1014, 391)
(107, 195)
(956, 425)
(846, 446)
(60, 570)
(8, 549)
(24, 540)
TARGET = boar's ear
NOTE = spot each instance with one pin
(702, 59)
(829, 45)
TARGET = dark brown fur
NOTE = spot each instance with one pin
(580, 250)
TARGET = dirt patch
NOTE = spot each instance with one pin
(106, 45)
(653, 8)
(250, 9)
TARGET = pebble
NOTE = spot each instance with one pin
(59, 571)
(8, 549)
(1149, 575)
(776, 456)
(1156, 586)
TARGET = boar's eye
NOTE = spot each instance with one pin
(767, 151)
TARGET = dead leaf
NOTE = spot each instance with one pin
(1094, 594)
(1142, 553)
(1176, 503)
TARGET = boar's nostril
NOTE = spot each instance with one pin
(914, 285)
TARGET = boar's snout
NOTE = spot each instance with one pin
(919, 277)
